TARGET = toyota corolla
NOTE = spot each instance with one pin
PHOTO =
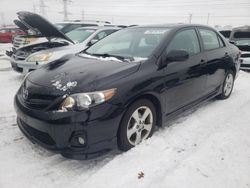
(113, 94)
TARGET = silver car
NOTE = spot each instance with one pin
(31, 57)
(241, 38)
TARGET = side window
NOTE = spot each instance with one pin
(209, 39)
(221, 42)
(185, 40)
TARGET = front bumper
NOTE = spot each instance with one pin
(245, 63)
(25, 67)
(59, 131)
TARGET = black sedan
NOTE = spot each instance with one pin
(115, 92)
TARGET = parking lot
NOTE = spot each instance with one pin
(208, 147)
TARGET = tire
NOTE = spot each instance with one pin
(131, 129)
(228, 85)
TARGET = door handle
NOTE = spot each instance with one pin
(226, 53)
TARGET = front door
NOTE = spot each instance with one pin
(185, 80)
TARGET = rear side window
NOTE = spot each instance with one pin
(209, 39)
(185, 40)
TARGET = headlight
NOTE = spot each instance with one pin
(39, 57)
(82, 101)
(30, 40)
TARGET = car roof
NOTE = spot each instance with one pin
(9, 27)
(172, 26)
(242, 28)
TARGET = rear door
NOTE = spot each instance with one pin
(185, 80)
(216, 55)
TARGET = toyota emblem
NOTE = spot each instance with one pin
(25, 94)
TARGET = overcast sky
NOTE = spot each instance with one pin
(221, 12)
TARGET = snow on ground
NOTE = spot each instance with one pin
(205, 147)
(4, 47)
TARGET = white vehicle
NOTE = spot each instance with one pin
(33, 56)
(241, 38)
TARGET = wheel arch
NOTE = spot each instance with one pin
(156, 102)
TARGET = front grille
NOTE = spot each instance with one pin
(36, 101)
(39, 135)
(245, 65)
(245, 55)
(19, 42)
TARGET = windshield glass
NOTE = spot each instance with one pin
(242, 34)
(225, 33)
(129, 43)
(79, 35)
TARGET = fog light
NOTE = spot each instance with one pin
(81, 140)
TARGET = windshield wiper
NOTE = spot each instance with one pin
(127, 59)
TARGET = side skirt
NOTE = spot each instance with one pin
(171, 116)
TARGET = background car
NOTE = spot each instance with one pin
(240, 37)
(7, 33)
(226, 33)
(32, 57)
(35, 36)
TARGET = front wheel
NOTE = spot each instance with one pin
(228, 85)
(137, 124)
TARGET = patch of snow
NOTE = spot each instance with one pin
(205, 147)
(64, 87)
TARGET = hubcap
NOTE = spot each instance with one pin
(228, 84)
(139, 125)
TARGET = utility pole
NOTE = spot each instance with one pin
(34, 8)
(208, 16)
(190, 18)
(65, 10)
(2, 18)
(42, 7)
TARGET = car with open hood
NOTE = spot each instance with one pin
(114, 93)
(36, 37)
(240, 37)
(31, 57)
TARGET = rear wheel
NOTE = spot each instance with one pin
(137, 124)
(228, 85)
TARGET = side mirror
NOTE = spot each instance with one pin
(232, 42)
(93, 41)
(177, 55)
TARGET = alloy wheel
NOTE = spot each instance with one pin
(139, 125)
(228, 86)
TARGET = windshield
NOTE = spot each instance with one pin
(129, 43)
(79, 35)
(226, 34)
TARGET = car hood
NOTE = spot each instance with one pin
(39, 24)
(244, 47)
(73, 74)
(22, 26)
